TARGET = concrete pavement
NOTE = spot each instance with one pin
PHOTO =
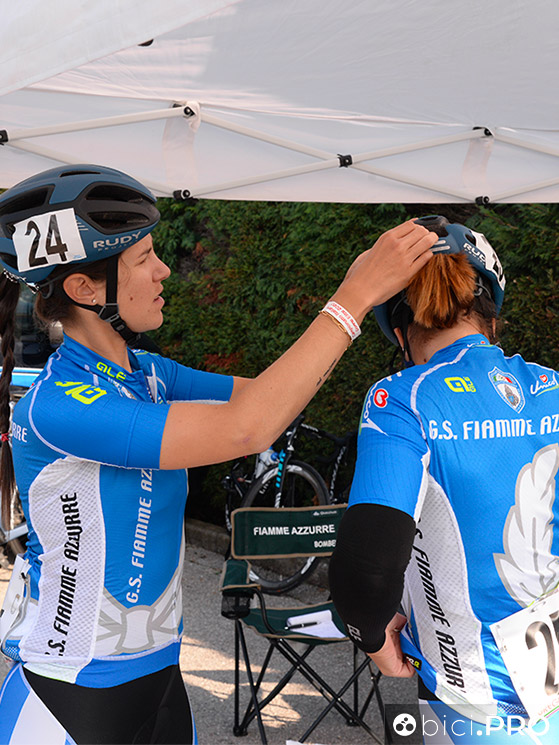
(207, 659)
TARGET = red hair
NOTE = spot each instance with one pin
(442, 291)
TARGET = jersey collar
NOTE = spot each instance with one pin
(94, 363)
(472, 340)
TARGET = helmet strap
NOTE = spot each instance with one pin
(400, 317)
(405, 350)
(109, 311)
(481, 287)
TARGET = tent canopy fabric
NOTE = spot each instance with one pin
(297, 100)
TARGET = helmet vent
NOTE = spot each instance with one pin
(119, 221)
(79, 173)
(29, 201)
(114, 193)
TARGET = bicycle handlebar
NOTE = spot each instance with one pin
(322, 433)
(315, 432)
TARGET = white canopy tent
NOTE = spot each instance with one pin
(299, 100)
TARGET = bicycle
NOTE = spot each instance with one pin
(13, 527)
(278, 480)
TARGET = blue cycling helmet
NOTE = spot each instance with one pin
(68, 215)
(74, 215)
(453, 239)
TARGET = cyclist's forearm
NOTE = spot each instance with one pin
(271, 401)
(259, 410)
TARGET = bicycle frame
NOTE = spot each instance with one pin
(237, 487)
(284, 458)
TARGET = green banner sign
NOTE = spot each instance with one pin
(269, 532)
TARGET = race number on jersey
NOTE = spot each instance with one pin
(528, 641)
(52, 238)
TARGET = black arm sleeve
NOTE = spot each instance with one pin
(367, 568)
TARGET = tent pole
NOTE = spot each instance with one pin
(463, 196)
(69, 160)
(327, 159)
(546, 149)
(469, 134)
(109, 121)
(206, 191)
(525, 189)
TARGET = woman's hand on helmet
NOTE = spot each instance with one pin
(383, 270)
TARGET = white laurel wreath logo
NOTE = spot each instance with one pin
(528, 568)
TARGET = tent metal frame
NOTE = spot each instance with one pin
(194, 112)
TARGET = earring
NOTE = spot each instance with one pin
(94, 302)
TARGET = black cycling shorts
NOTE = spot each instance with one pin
(151, 709)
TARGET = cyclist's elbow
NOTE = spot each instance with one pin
(255, 437)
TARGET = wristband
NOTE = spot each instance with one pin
(343, 318)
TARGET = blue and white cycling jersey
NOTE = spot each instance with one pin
(105, 524)
(467, 445)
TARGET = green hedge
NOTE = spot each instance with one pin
(249, 277)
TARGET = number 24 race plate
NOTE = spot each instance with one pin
(51, 238)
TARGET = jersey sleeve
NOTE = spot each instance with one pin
(92, 423)
(186, 384)
(393, 456)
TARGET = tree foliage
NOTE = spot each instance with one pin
(249, 277)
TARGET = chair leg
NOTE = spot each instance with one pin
(241, 729)
(355, 686)
(375, 691)
(250, 713)
(236, 692)
(380, 702)
(297, 661)
(326, 690)
(336, 701)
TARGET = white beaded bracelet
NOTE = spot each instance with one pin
(343, 318)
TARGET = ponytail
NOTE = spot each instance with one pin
(9, 295)
(447, 288)
(442, 291)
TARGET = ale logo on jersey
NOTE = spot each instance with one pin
(380, 397)
(460, 385)
(508, 388)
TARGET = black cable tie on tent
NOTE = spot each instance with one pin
(181, 195)
(3, 136)
(487, 132)
(482, 201)
(345, 160)
(187, 111)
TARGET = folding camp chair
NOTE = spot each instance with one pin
(279, 534)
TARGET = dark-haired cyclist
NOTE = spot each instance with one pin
(92, 618)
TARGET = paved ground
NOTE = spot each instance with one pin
(207, 664)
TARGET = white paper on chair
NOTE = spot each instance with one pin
(318, 624)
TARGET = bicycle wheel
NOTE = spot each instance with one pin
(16, 545)
(302, 487)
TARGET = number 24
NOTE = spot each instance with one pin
(53, 242)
